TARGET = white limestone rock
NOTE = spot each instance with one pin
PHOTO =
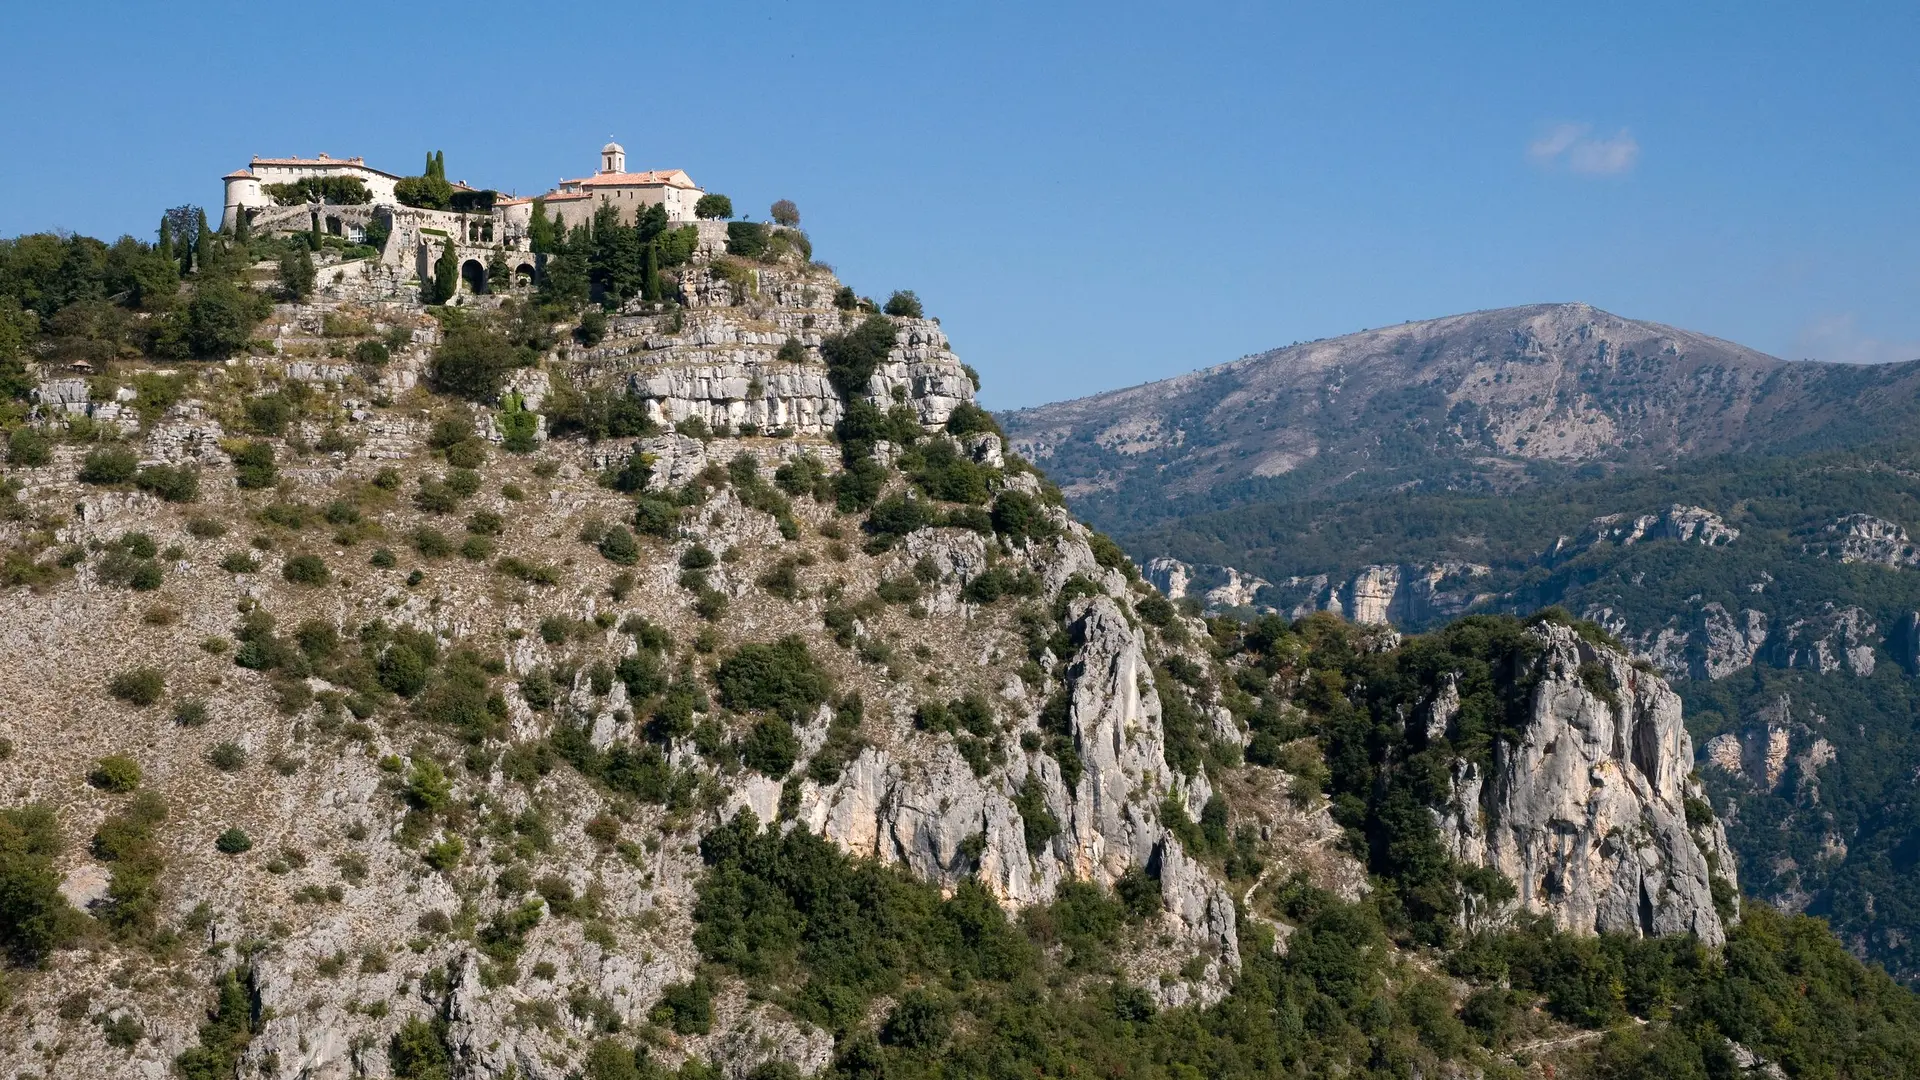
(1586, 813)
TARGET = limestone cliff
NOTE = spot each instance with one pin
(1587, 813)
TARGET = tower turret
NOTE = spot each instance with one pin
(613, 158)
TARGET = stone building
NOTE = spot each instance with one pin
(246, 188)
(625, 191)
(415, 236)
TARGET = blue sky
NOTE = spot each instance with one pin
(1095, 195)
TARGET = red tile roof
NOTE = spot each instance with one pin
(238, 174)
(651, 178)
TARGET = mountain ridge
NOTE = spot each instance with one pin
(1476, 399)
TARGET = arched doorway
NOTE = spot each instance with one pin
(523, 274)
(475, 275)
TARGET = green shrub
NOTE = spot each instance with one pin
(618, 546)
(116, 773)
(1019, 516)
(686, 1007)
(531, 573)
(174, 484)
(253, 466)
(771, 747)
(35, 918)
(239, 562)
(139, 686)
(190, 713)
(519, 431)
(268, 415)
(111, 464)
(854, 356)
(306, 570)
(473, 361)
(904, 304)
(713, 206)
(227, 757)
(431, 542)
(467, 454)
(970, 419)
(372, 354)
(418, 1051)
(781, 677)
(747, 239)
(654, 515)
(28, 448)
(234, 841)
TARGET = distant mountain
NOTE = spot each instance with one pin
(1485, 401)
(1741, 523)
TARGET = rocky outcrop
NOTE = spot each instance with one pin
(1585, 813)
(932, 814)
(1402, 595)
(1863, 538)
(1709, 643)
(1685, 524)
(1831, 639)
(1763, 753)
(1219, 587)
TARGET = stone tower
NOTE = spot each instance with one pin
(613, 158)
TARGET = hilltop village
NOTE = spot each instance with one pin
(415, 219)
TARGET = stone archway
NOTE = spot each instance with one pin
(475, 275)
(523, 274)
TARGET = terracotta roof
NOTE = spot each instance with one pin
(515, 201)
(651, 178)
(558, 196)
(238, 174)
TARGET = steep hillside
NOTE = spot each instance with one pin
(510, 690)
(1485, 401)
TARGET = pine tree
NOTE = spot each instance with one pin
(165, 247)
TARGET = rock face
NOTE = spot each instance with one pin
(1686, 524)
(1863, 538)
(1834, 639)
(1586, 813)
(1219, 587)
(924, 812)
(719, 360)
(1761, 752)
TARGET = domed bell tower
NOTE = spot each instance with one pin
(613, 158)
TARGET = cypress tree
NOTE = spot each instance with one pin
(539, 229)
(242, 227)
(446, 274)
(165, 246)
(650, 275)
(203, 241)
